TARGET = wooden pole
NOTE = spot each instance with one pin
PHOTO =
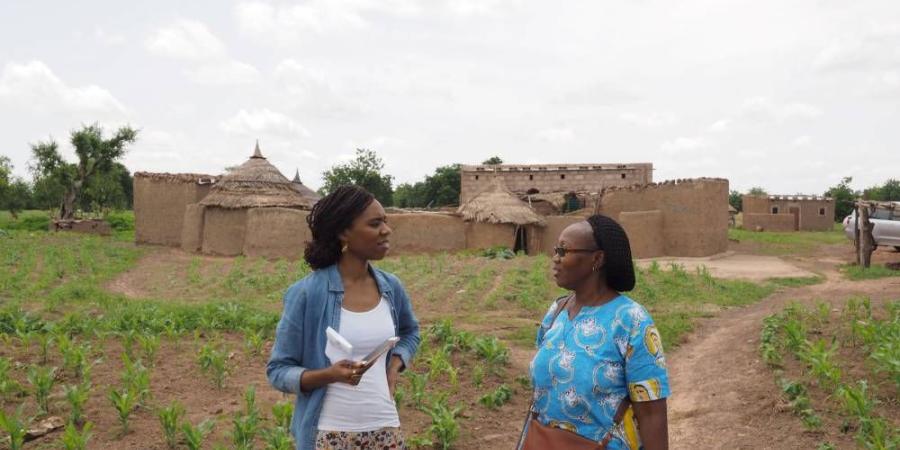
(856, 233)
(867, 240)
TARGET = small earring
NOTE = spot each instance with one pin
(344, 248)
(594, 268)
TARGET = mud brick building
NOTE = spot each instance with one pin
(788, 212)
(544, 178)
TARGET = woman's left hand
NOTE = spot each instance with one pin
(393, 372)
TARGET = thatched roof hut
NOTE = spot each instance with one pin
(306, 192)
(498, 205)
(255, 184)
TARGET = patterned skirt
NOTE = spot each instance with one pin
(382, 439)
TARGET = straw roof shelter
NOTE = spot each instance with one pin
(255, 184)
(498, 205)
(306, 192)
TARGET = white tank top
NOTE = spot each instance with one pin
(367, 406)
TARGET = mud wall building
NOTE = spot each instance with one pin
(788, 213)
(672, 218)
(675, 218)
(160, 200)
(526, 179)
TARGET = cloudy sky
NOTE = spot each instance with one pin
(788, 95)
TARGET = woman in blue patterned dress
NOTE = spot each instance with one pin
(601, 353)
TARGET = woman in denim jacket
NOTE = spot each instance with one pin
(339, 405)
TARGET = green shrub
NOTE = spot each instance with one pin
(121, 220)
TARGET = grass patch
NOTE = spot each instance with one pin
(856, 273)
(796, 281)
(797, 242)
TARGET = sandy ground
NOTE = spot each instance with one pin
(725, 396)
(735, 265)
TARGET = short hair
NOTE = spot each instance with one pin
(330, 216)
(618, 266)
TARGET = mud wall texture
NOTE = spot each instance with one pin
(276, 233)
(192, 228)
(769, 222)
(224, 231)
(485, 235)
(645, 233)
(694, 214)
(426, 232)
(159, 206)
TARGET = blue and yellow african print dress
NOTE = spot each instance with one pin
(584, 367)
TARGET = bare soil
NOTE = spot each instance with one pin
(725, 396)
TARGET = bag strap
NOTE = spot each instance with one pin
(559, 309)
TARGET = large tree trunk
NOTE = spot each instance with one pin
(67, 212)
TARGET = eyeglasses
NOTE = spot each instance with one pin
(561, 251)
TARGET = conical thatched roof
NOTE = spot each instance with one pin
(498, 205)
(306, 192)
(255, 184)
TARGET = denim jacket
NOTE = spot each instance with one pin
(311, 305)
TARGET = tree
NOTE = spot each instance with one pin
(757, 191)
(736, 200)
(887, 192)
(844, 196)
(493, 160)
(364, 171)
(96, 157)
(15, 194)
(440, 189)
(109, 190)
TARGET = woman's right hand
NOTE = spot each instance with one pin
(346, 371)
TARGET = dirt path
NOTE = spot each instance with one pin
(724, 395)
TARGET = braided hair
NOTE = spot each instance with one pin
(330, 216)
(611, 238)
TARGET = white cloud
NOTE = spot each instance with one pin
(764, 109)
(314, 91)
(224, 73)
(683, 145)
(34, 86)
(187, 40)
(563, 134)
(721, 126)
(802, 141)
(288, 23)
(599, 94)
(651, 120)
(261, 122)
(108, 38)
(876, 48)
(192, 42)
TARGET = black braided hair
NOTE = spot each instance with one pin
(330, 216)
(611, 238)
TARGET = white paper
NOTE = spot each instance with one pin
(336, 347)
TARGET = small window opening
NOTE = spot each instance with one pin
(774, 210)
(821, 211)
(530, 177)
(623, 176)
(562, 177)
(476, 177)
